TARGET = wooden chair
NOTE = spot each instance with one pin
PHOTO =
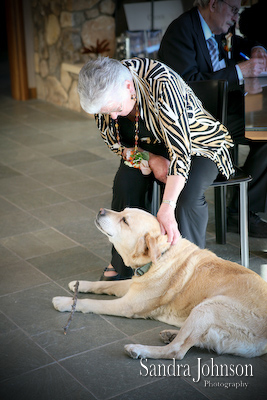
(213, 94)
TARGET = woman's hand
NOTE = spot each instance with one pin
(168, 223)
(159, 166)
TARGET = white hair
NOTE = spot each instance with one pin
(201, 3)
(100, 82)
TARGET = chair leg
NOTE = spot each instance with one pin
(244, 244)
(220, 214)
(155, 199)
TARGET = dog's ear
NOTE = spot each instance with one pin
(141, 248)
(156, 245)
(150, 247)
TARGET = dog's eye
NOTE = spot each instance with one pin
(125, 221)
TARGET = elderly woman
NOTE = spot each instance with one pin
(149, 117)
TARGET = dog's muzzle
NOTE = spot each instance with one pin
(101, 221)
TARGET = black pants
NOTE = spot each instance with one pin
(133, 189)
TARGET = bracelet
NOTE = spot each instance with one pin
(170, 202)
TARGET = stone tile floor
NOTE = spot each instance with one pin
(55, 174)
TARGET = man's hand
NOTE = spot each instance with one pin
(258, 52)
(253, 85)
(253, 67)
(159, 166)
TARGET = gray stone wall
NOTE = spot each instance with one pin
(62, 28)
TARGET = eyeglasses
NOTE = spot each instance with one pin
(111, 109)
(234, 9)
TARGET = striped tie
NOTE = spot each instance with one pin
(214, 53)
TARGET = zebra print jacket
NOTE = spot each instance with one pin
(175, 116)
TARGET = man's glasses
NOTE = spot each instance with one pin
(234, 10)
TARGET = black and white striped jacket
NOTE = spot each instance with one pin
(175, 116)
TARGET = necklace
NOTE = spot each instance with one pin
(136, 125)
(135, 158)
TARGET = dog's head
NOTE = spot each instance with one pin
(134, 233)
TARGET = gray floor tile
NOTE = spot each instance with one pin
(66, 263)
(100, 168)
(76, 133)
(76, 158)
(6, 325)
(59, 177)
(82, 190)
(18, 184)
(173, 388)
(36, 199)
(41, 165)
(6, 172)
(47, 383)
(30, 137)
(7, 257)
(6, 207)
(7, 144)
(7, 122)
(19, 276)
(82, 231)
(19, 354)
(32, 309)
(19, 154)
(57, 148)
(38, 243)
(102, 248)
(86, 332)
(120, 373)
(62, 213)
(97, 202)
(18, 222)
(54, 239)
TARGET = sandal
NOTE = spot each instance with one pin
(117, 277)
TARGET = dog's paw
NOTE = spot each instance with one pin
(62, 303)
(135, 350)
(168, 335)
(84, 286)
(72, 286)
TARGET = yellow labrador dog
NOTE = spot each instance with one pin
(218, 304)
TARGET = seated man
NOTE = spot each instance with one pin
(196, 47)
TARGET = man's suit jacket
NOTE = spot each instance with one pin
(184, 49)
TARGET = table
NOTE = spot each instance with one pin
(256, 108)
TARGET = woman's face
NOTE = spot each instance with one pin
(123, 107)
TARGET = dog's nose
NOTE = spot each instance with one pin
(102, 211)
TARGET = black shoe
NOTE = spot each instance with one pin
(117, 277)
(257, 227)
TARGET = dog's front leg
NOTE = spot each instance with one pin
(116, 288)
(118, 307)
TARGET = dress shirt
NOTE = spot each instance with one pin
(222, 64)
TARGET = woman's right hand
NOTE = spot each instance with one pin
(168, 223)
(159, 166)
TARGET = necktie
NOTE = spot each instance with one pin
(214, 53)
